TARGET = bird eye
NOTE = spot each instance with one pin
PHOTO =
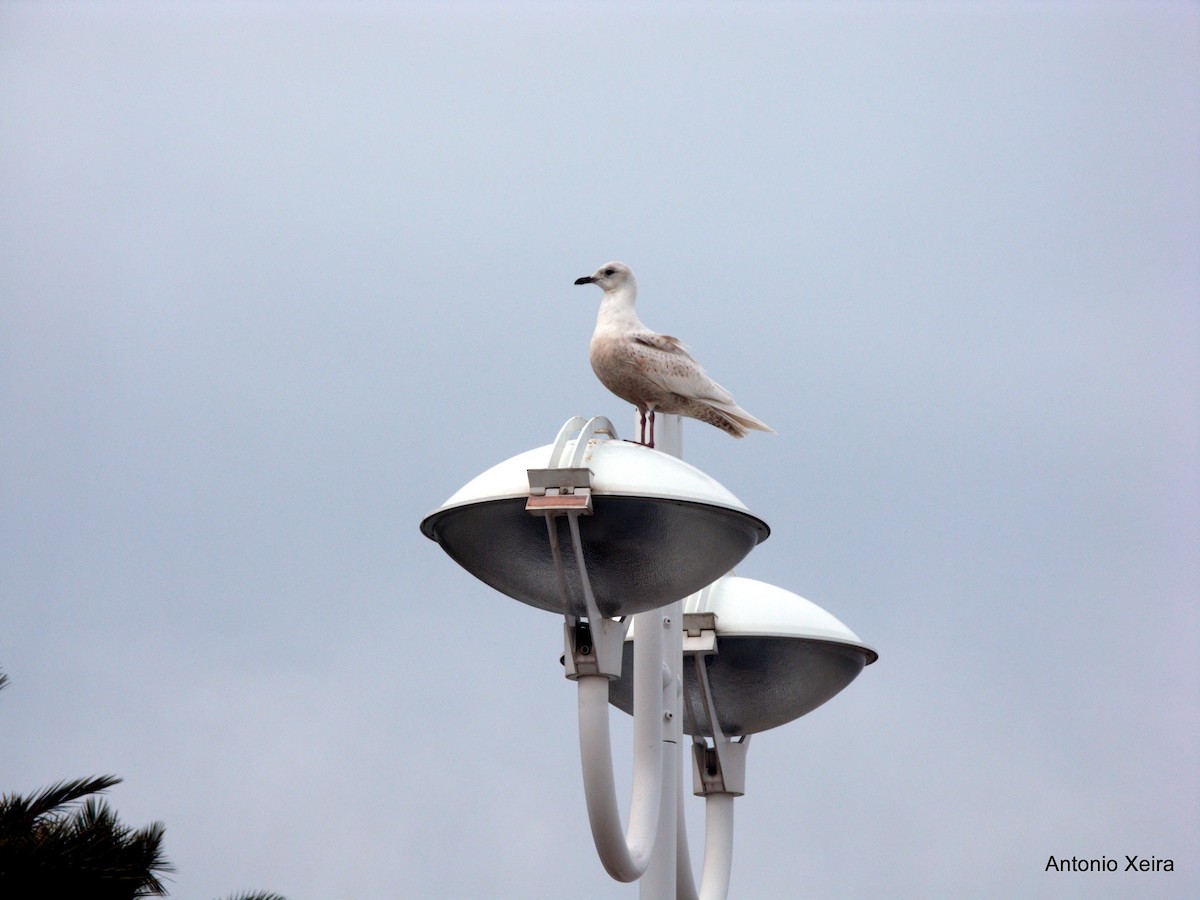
(609, 271)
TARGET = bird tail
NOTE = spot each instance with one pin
(729, 417)
(743, 419)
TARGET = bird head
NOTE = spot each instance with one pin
(611, 276)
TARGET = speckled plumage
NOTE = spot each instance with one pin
(654, 371)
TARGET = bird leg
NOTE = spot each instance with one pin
(641, 429)
(642, 419)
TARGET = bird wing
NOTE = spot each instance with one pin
(664, 360)
(663, 342)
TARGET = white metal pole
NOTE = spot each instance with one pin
(659, 881)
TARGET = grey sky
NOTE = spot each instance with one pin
(276, 279)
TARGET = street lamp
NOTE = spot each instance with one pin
(774, 657)
(611, 535)
(653, 528)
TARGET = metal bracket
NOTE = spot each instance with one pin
(559, 490)
(594, 649)
(719, 768)
(700, 633)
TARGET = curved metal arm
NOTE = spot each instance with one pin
(685, 881)
(595, 651)
(718, 851)
(718, 846)
(625, 856)
(720, 776)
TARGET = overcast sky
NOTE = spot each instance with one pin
(278, 278)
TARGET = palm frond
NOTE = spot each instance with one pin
(17, 811)
(87, 852)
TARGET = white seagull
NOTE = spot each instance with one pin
(654, 371)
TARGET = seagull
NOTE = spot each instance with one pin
(654, 371)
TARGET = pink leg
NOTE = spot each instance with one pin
(651, 444)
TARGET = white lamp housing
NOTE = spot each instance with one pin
(658, 529)
(778, 657)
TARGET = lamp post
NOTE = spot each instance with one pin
(611, 535)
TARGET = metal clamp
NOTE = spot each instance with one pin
(559, 490)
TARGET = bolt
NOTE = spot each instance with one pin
(668, 715)
(666, 621)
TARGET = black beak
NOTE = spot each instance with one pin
(586, 279)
